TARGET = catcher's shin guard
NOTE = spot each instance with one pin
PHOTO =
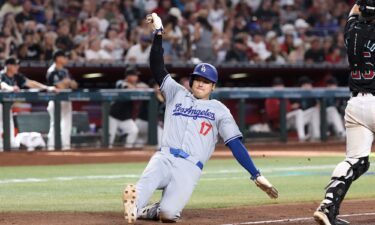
(129, 201)
(343, 176)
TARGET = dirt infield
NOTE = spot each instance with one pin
(358, 212)
(291, 214)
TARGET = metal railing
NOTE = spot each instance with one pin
(242, 94)
(106, 96)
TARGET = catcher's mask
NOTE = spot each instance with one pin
(367, 9)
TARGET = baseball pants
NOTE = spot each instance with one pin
(65, 124)
(143, 133)
(295, 120)
(128, 127)
(360, 125)
(335, 119)
(177, 177)
(298, 119)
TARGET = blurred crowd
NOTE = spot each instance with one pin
(216, 31)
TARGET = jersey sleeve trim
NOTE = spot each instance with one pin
(163, 82)
(232, 138)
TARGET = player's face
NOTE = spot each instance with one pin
(202, 87)
(133, 79)
(307, 86)
(13, 69)
(63, 60)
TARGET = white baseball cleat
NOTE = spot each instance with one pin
(129, 196)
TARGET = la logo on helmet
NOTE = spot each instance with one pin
(203, 68)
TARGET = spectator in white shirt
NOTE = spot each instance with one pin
(217, 14)
(140, 52)
(259, 47)
(117, 40)
(96, 54)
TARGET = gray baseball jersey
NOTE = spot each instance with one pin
(193, 125)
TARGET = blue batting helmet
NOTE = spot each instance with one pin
(205, 70)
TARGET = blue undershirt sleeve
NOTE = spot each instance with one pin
(242, 156)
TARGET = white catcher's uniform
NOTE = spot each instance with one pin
(192, 125)
(360, 127)
(359, 117)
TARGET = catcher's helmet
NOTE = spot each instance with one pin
(205, 70)
(367, 8)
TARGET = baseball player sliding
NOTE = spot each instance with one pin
(359, 113)
(193, 123)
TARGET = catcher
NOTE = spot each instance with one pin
(193, 123)
(359, 113)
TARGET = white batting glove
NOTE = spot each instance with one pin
(266, 186)
(155, 20)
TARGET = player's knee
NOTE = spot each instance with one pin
(166, 218)
(351, 168)
(360, 167)
(343, 169)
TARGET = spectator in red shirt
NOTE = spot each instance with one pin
(163, 9)
(334, 56)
